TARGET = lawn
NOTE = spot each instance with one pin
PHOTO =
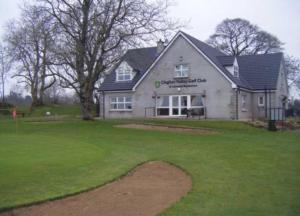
(240, 171)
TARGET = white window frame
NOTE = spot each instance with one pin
(167, 97)
(123, 71)
(235, 71)
(244, 102)
(258, 101)
(179, 106)
(120, 100)
(183, 70)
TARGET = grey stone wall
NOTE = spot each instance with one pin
(217, 89)
(220, 99)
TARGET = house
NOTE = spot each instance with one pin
(189, 77)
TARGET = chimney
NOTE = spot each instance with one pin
(160, 46)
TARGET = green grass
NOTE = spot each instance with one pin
(241, 171)
(55, 111)
(66, 110)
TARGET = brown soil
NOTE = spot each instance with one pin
(147, 190)
(189, 130)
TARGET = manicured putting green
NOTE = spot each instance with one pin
(238, 171)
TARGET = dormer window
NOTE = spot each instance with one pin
(182, 70)
(235, 71)
(124, 72)
(235, 68)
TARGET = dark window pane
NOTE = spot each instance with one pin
(183, 101)
(128, 105)
(197, 112)
(184, 111)
(163, 111)
(175, 111)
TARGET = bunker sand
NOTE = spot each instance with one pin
(176, 129)
(147, 190)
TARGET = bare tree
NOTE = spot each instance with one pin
(292, 66)
(29, 40)
(54, 93)
(240, 37)
(95, 33)
(5, 65)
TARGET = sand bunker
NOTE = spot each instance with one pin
(189, 130)
(147, 190)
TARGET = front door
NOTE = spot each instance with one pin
(179, 104)
(174, 108)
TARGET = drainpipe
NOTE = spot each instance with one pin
(270, 102)
(266, 103)
(155, 101)
(237, 103)
(103, 95)
(253, 115)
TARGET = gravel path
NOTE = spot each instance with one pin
(176, 129)
(147, 190)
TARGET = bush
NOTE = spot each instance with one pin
(272, 125)
(6, 105)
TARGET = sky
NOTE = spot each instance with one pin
(278, 17)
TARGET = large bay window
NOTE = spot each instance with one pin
(182, 70)
(179, 105)
(123, 103)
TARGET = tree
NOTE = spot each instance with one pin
(54, 94)
(240, 37)
(93, 35)
(5, 65)
(292, 68)
(29, 41)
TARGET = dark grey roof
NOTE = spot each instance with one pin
(256, 72)
(260, 71)
(139, 60)
(226, 60)
(212, 54)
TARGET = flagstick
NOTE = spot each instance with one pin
(16, 120)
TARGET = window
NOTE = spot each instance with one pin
(197, 108)
(182, 70)
(244, 98)
(261, 101)
(235, 71)
(163, 106)
(124, 72)
(179, 105)
(196, 101)
(121, 103)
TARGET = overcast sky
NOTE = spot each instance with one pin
(279, 17)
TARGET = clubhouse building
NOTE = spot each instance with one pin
(187, 77)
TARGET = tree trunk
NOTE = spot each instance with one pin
(3, 89)
(2, 80)
(87, 103)
(34, 95)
